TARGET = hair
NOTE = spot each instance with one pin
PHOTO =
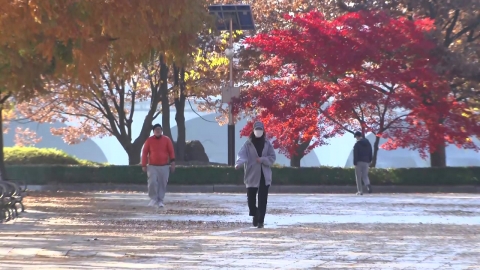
(157, 125)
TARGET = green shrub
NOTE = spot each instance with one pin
(34, 156)
(218, 175)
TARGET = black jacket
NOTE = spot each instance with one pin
(362, 151)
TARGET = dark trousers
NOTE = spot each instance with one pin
(262, 200)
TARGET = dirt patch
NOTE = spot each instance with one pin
(452, 213)
(277, 211)
(390, 230)
(432, 205)
(84, 205)
(145, 227)
(55, 194)
(203, 212)
(290, 211)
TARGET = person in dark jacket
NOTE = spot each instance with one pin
(362, 157)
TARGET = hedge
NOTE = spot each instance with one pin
(31, 155)
(209, 175)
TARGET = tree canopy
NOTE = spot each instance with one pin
(323, 74)
(42, 40)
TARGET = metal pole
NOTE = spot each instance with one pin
(231, 124)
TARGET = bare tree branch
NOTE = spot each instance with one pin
(389, 125)
(466, 29)
(4, 98)
(448, 34)
(89, 117)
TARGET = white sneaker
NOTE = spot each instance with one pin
(160, 204)
(152, 203)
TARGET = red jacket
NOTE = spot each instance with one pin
(158, 151)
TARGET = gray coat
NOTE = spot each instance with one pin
(248, 155)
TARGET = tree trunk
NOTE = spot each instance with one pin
(3, 170)
(375, 151)
(165, 99)
(134, 149)
(438, 158)
(134, 153)
(295, 159)
(155, 99)
(180, 114)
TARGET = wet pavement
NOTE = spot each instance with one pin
(212, 231)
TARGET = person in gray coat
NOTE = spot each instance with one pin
(257, 157)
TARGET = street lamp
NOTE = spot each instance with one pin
(229, 54)
(231, 18)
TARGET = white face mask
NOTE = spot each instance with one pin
(258, 133)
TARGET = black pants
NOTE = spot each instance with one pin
(262, 200)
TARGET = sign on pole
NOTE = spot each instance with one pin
(230, 92)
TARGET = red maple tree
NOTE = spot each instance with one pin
(361, 71)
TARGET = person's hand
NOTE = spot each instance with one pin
(144, 169)
(237, 166)
(259, 160)
(172, 167)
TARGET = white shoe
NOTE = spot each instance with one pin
(160, 204)
(152, 203)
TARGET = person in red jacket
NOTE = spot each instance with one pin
(159, 154)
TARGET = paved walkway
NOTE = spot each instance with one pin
(282, 189)
(212, 231)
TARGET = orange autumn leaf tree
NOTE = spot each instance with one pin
(45, 39)
(26, 137)
(106, 105)
(44, 44)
